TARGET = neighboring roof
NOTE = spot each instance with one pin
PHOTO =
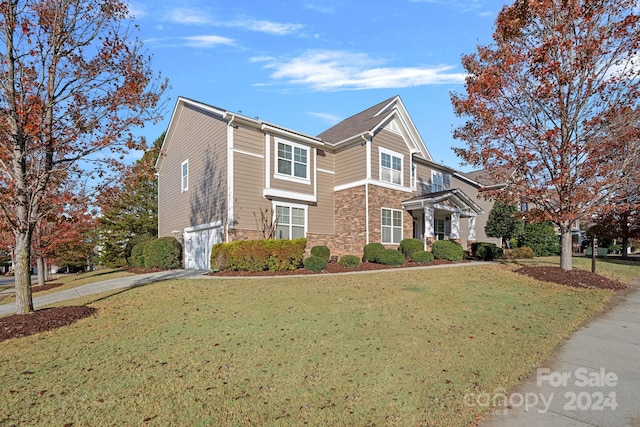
(482, 177)
(357, 124)
(456, 196)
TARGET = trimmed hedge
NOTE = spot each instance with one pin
(423, 257)
(390, 257)
(349, 261)
(447, 249)
(523, 252)
(258, 255)
(486, 251)
(315, 263)
(409, 246)
(136, 259)
(371, 252)
(165, 252)
(322, 252)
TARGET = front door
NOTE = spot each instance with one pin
(417, 227)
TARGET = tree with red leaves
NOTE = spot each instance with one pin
(550, 105)
(74, 84)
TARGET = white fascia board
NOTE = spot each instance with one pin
(287, 133)
(291, 195)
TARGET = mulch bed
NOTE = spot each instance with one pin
(16, 326)
(575, 278)
(47, 319)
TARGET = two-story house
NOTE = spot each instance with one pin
(367, 179)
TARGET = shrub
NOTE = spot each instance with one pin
(542, 238)
(315, 263)
(258, 255)
(409, 246)
(136, 245)
(349, 261)
(371, 252)
(423, 257)
(519, 253)
(486, 251)
(322, 252)
(165, 252)
(390, 257)
(447, 249)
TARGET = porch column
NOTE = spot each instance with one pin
(429, 232)
(472, 229)
(455, 226)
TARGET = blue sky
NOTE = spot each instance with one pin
(308, 64)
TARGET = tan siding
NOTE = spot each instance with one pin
(351, 165)
(423, 179)
(394, 142)
(200, 138)
(321, 214)
(248, 139)
(248, 172)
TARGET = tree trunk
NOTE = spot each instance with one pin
(42, 270)
(625, 247)
(22, 270)
(566, 252)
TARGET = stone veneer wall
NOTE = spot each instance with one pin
(381, 197)
(350, 217)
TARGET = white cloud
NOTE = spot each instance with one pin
(186, 16)
(262, 26)
(325, 70)
(207, 40)
(198, 17)
(330, 119)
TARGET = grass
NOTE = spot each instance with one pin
(390, 348)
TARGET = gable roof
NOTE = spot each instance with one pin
(357, 124)
(455, 196)
(368, 122)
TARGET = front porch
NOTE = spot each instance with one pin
(438, 216)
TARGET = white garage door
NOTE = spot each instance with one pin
(197, 245)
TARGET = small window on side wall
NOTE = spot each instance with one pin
(185, 175)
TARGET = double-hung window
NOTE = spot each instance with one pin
(290, 221)
(390, 167)
(391, 226)
(292, 160)
(185, 176)
(437, 181)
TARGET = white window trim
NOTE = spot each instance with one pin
(392, 226)
(414, 173)
(291, 177)
(382, 150)
(184, 179)
(292, 205)
(441, 174)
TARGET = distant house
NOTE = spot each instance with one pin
(367, 179)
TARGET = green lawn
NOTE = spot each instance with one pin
(390, 348)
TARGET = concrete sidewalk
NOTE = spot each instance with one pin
(103, 286)
(593, 379)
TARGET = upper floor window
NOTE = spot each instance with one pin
(391, 226)
(291, 221)
(185, 175)
(437, 181)
(390, 166)
(292, 160)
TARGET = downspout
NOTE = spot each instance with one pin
(229, 177)
(366, 186)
